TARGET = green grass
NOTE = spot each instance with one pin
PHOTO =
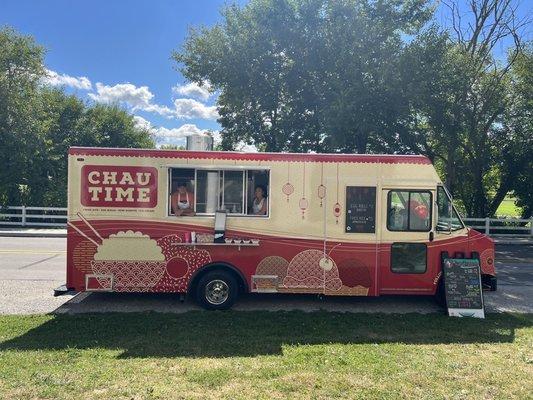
(508, 209)
(243, 355)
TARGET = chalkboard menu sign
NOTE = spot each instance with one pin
(462, 284)
(360, 209)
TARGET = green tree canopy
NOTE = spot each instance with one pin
(373, 76)
(305, 75)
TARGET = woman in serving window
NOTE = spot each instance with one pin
(182, 201)
(260, 203)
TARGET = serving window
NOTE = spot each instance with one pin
(241, 192)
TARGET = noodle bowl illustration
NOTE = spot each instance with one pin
(135, 261)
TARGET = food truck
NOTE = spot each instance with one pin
(217, 224)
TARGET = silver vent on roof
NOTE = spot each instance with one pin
(199, 142)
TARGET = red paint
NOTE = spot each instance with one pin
(118, 186)
(358, 264)
(228, 155)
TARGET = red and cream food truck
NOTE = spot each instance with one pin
(216, 224)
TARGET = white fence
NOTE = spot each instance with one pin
(57, 217)
(501, 226)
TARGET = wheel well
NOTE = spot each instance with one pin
(219, 266)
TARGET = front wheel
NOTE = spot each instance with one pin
(217, 290)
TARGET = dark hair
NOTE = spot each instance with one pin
(263, 189)
(177, 184)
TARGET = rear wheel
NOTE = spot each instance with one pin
(217, 290)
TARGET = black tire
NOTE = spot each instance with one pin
(217, 290)
(493, 284)
(489, 282)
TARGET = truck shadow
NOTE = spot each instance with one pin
(251, 333)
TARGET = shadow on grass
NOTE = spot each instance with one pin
(237, 333)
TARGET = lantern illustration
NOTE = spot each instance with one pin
(321, 191)
(288, 188)
(337, 207)
(303, 201)
(303, 206)
(337, 211)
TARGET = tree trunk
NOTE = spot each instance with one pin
(498, 198)
(479, 198)
(450, 171)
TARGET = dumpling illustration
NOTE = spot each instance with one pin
(312, 269)
(273, 266)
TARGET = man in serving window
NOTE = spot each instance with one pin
(182, 201)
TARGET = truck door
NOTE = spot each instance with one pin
(406, 215)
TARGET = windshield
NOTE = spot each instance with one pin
(448, 219)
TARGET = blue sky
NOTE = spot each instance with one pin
(114, 43)
(120, 51)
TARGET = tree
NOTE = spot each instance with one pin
(305, 75)
(464, 92)
(21, 66)
(517, 168)
(485, 99)
(65, 121)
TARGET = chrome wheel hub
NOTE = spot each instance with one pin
(216, 292)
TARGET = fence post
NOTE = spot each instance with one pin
(487, 225)
(23, 215)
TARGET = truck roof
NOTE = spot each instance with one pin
(242, 156)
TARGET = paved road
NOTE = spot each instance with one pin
(30, 268)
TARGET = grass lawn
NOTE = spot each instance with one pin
(265, 355)
(508, 209)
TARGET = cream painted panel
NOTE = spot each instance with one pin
(285, 217)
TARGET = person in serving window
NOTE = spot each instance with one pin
(182, 201)
(260, 203)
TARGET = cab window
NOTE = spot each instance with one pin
(447, 217)
(409, 210)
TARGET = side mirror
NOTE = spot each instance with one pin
(431, 236)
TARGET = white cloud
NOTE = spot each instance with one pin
(142, 123)
(164, 135)
(189, 108)
(53, 78)
(194, 90)
(241, 146)
(247, 148)
(136, 97)
(140, 98)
